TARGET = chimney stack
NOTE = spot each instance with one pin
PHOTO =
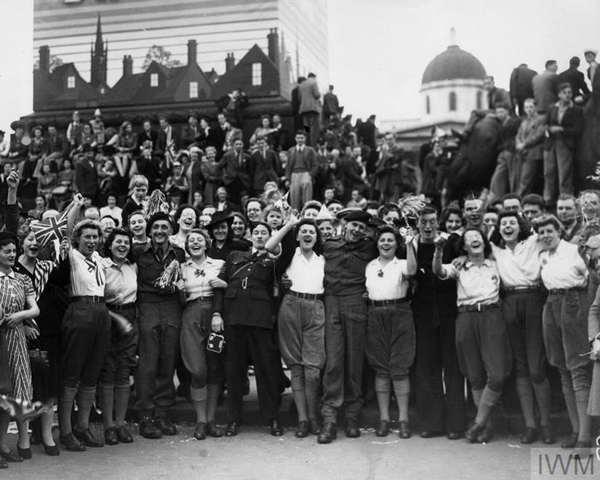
(127, 65)
(192, 52)
(45, 58)
(229, 62)
(273, 46)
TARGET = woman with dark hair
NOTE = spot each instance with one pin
(482, 344)
(52, 301)
(564, 319)
(185, 220)
(517, 252)
(17, 304)
(248, 309)
(120, 294)
(221, 233)
(239, 227)
(302, 315)
(263, 130)
(198, 281)
(451, 219)
(390, 346)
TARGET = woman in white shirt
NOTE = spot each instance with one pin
(516, 252)
(390, 347)
(482, 345)
(120, 294)
(302, 316)
(85, 336)
(198, 279)
(565, 275)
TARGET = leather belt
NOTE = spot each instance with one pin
(564, 291)
(477, 307)
(120, 307)
(87, 299)
(385, 303)
(201, 299)
(307, 296)
(522, 289)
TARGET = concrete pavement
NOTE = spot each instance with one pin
(254, 454)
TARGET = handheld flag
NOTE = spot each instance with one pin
(54, 228)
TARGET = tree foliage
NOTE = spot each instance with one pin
(158, 54)
(55, 61)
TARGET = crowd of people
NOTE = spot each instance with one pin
(349, 270)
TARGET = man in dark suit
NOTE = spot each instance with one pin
(545, 87)
(206, 136)
(520, 86)
(236, 172)
(575, 78)
(295, 100)
(248, 309)
(86, 177)
(166, 140)
(190, 132)
(495, 95)
(59, 148)
(331, 106)
(300, 171)
(148, 134)
(265, 166)
(564, 123)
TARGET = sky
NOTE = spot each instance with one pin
(378, 49)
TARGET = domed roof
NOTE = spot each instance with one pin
(453, 64)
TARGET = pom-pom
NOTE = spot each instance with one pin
(169, 277)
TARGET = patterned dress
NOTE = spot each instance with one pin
(15, 288)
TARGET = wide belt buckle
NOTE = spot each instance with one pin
(245, 283)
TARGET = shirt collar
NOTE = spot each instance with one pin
(486, 263)
(11, 274)
(569, 105)
(207, 260)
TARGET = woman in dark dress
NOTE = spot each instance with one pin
(221, 234)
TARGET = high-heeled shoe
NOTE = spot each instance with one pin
(51, 450)
(24, 453)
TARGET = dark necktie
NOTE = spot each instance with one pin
(93, 267)
(159, 254)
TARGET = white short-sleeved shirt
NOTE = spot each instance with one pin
(121, 282)
(87, 275)
(197, 278)
(563, 268)
(386, 283)
(519, 267)
(475, 283)
(306, 275)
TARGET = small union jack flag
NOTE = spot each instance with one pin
(54, 228)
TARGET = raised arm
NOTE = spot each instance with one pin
(437, 267)
(273, 244)
(74, 213)
(411, 256)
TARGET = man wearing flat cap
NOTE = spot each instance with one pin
(160, 324)
(590, 57)
(345, 323)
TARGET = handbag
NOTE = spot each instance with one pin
(39, 360)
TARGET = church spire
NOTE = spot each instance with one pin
(99, 58)
(99, 42)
